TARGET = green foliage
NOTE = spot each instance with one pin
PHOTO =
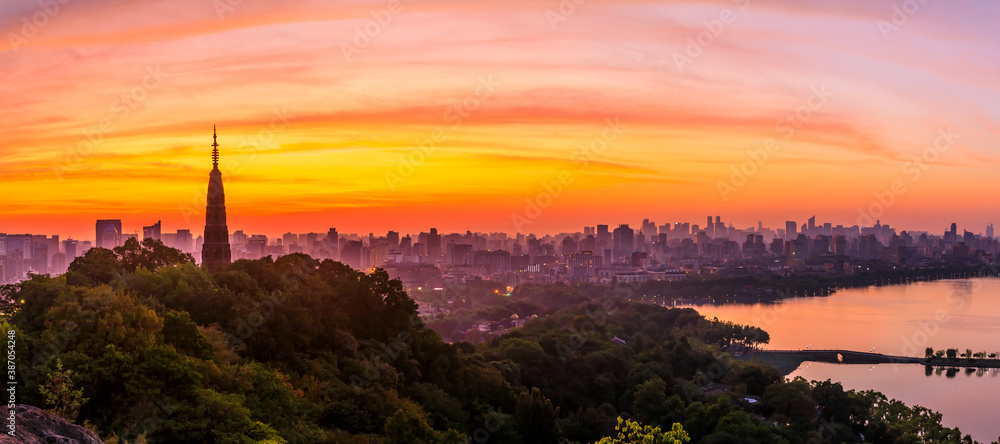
(142, 344)
(61, 394)
(96, 266)
(631, 432)
(150, 254)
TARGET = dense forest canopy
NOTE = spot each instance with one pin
(138, 343)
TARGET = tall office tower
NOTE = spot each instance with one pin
(333, 243)
(215, 252)
(289, 239)
(185, 241)
(989, 231)
(569, 245)
(791, 230)
(40, 257)
(648, 229)
(812, 223)
(603, 237)
(393, 238)
(152, 231)
(434, 244)
(683, 229)
(664, 229)
(624, 238)
(109, 233)
(69, 247)
(709, 226)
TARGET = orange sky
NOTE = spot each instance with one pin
(108, 107)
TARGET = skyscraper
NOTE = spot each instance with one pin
(624, 241)
(109, 233)
(791, 229)
(215, 252)
(152, 231)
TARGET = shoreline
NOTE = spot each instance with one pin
(786, 361)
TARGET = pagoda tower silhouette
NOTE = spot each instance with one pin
(215, 252)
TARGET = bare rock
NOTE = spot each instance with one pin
(33, 426)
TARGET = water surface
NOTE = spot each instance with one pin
(895, 320)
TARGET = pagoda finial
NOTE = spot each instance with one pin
(215, 148)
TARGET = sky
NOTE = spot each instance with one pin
(518, 116)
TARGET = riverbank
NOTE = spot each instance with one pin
(758, 289)
(786, 361)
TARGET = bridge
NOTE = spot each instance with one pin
(847, 357)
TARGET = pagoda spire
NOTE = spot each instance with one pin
(215, 251)
(215, 149)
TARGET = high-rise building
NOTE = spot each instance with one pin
(434, 244)
(603, 237)
(40, 257)
(624, 241)
(333, 243)
(461, 254)
(648, 228)
(185, 241)
(215, 252)
(152, 231)
(791, 230)
(69, 247)
(499, 260)
(289, 239)
(109, 233)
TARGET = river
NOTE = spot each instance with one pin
(895, 320)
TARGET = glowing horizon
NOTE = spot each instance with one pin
(110, 104)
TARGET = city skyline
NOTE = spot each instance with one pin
(327, 109)
(503, 221)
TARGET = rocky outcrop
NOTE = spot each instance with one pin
(33, 426)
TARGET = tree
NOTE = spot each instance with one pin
(97, 265)
(631, 432)
(791, 402)
(952, 353)
(409, 426)
(150, 254)
(929, 352)
(536, 418)
(60, 392)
